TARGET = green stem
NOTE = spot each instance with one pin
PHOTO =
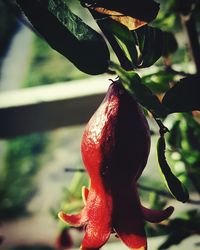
(162, 127)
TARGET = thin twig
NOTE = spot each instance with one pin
(82, 170)
(155, 190)
(191, 30)
(165, 194)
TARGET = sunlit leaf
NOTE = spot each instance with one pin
(123, 37)
(158, 82)
(156, 201)
(130, 22)
(66, 33)
(173, 183)
(184, 96)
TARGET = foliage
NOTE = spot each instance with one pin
(80, 44)
(71, 202)
(42, 66)
(184, 143)
(162, 93)
(17, 182)
(72, 197)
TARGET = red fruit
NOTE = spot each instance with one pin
(115, 148)
(116, 140)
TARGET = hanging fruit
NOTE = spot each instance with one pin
(115, 148)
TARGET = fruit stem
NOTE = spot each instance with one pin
(162, 127)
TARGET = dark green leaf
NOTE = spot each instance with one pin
(169, 44)
(142, 47)
(175, 137)
(192, 131)
(145, 10)
(174, 185)
(141, 93)
(184, 96)
(66, 33)
(150, 43)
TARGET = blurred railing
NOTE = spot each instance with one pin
(48, 107)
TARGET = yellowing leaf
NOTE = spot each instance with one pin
(130, 22)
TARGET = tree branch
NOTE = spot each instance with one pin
(190, 27)
(72, 170)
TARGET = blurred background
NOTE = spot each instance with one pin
(41, 172)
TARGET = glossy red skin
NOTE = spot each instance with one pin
(116, 141)
(115, 148)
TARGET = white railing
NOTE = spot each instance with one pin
(51, 106)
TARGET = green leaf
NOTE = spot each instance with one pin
(66, 33)
(123, 37)
(158, 82)
(169, 44)
(173, 183)
(184, 96)
(174, 138)
(142, 47)
(140, 92)
(145, 10)
(150, 43)
(192, 132)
